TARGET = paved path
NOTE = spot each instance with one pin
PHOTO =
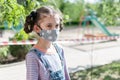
(13, 71)
(79, 57)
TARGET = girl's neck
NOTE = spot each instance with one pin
(43, 45)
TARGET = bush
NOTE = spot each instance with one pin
(19, 51)
(3, 52)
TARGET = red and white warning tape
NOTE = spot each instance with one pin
(18, 42)
(82, 40)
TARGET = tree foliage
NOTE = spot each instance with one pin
(74, 10)
(110, 11)
(107, 10)
(11, 12)
(30, 5)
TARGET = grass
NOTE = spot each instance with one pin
(106, 72)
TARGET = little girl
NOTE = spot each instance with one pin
(45, 61)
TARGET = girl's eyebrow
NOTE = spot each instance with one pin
(52, 23)
(49, 23)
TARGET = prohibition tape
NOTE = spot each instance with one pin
(91, 39)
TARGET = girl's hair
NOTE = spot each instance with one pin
(37, 15)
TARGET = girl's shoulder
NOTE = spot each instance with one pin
(31, 54)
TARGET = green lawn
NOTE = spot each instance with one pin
(105, 72)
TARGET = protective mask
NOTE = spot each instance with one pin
(50, 35)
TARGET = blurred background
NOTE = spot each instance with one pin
(91, 37)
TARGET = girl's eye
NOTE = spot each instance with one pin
(49, 25)
(57, 26)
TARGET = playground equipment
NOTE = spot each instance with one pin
(91, 17)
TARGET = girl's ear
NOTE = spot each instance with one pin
(36, 28)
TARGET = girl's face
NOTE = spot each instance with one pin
(50, 22)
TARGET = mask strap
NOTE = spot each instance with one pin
(39, 27)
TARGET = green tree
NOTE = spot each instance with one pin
(30, 5)
(11, 12)
(109, 11)
(74, 10)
